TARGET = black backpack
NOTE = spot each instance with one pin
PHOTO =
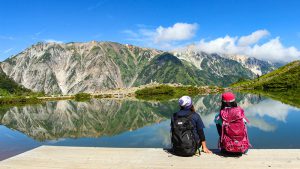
(182, 136)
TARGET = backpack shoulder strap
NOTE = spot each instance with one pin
(176, 116)
(189, 116)
(222, 113)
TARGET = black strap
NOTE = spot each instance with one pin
(189, 116)
(198, 148)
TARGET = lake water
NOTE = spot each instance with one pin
(134, 123)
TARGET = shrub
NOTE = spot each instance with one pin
(82, 96)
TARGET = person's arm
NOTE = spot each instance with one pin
(204, 147)
(200, 131)
(203, 141)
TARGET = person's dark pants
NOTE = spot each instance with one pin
(219, 128)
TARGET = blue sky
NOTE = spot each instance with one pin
(270, 29)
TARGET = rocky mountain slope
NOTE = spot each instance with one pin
(258, 67)
(216, 63)
(77, 67)
(93, 66)
(222, 70)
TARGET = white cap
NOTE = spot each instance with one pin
(185, 101)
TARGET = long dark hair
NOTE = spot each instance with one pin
(192, 109)
(228, 104)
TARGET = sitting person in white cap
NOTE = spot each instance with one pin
(187, 130)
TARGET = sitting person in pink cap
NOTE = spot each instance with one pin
(230, 122)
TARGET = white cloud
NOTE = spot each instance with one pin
(7, 37)
(8, 50)
(253, 38)
(97, 5)
(219, 45)
(261, 124)
(272, 50)
(178, 32)
(98, 35)
(130, 33)
(39, 33)
(257, 112)
(53, 41)
(275, 51)
(161, 37)
(270, 108)
(143, 26)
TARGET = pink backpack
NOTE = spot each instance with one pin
(234, 131)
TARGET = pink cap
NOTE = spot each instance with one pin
(228, 97)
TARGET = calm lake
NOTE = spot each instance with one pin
(134, 123)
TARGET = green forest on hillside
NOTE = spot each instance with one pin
(167, 68)
(13, 93)
(9, 87)
(286, 77)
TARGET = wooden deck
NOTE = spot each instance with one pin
(54, 157)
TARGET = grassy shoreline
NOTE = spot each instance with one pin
(156, 92)
(166, 92)
(19, 100)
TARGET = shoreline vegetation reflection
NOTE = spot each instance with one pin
(286, 96)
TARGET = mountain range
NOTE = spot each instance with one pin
(70, 68)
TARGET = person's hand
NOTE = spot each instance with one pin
(206, 150)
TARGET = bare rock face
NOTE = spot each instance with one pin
(217, 62)
(77, 67)
(258, 67)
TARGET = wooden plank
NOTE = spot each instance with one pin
(58, 157)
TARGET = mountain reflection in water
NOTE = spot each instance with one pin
(135, 123)
(95, 118)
